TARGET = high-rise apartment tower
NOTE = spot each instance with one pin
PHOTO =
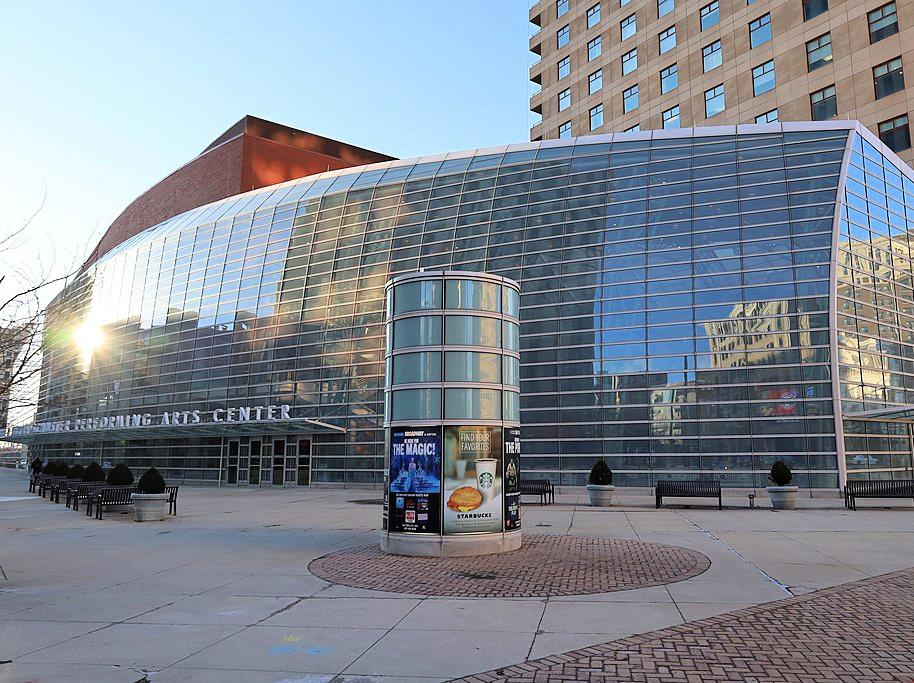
(623, 65)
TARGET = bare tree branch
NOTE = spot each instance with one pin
(26, 287)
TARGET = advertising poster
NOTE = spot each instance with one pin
(472, 480)
(512, 478)
(386, 501)
(414, 500)
(786, 398)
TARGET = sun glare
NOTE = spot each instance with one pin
(88, 338)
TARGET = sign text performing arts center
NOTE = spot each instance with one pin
(233, 415)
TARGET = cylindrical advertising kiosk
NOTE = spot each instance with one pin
(452, 417)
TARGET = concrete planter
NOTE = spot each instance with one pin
(149, 507)
(783, 497)
(600, 495)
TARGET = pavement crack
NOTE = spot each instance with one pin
(280, 610)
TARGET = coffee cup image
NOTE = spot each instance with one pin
(460, 468)
(485, 477)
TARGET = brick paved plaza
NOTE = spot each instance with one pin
(545, 566)
(853, 632)
(224, 592)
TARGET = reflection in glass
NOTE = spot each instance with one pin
(416, 404)
(472, 404)
(471, 366)
(424, 366)
(416, 296)
(472, 295)
(417, 331)
(463, 330)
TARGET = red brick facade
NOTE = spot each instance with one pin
(253, 153)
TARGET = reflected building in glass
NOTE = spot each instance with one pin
(692, 301)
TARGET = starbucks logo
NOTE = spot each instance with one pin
(485, 480)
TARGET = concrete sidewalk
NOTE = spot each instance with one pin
(222, 592)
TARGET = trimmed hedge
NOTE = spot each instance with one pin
(93, 472)
(780, 473)
(600, 474)
(120, 475)
(151, 482)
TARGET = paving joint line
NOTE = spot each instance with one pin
(736, 553)
(384, 635)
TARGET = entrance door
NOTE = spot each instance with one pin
(304, 462)
(232, 473)
(279, 460)
(254, 475)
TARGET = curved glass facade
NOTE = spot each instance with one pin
(679, 312)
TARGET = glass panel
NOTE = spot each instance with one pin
(418, 331)
(416, 404)
(472, 295)
(424, 366)
(470, 366)
(511, 406)
(468, 330)
(472, 404)
(511, 370)
(417, 296)
(510, 301)
(511, 336)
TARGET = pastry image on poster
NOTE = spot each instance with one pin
(473, 498)
(414, 492)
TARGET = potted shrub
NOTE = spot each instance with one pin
(782, 495)
(76, 472)
(600, 485)
(37, 466)
(93, 472)
(120, 475)
(150, 498)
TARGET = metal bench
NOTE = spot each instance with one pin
(34, 481)
(172, 492)
(879, 488)
(109, 496)
(63, 485)
(46, 482)
(82, 492)
(538, 487)
(688, 488)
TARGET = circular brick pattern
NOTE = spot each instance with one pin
(545, 566)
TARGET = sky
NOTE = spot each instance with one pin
(103, 99)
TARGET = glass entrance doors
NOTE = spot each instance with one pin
(254, 476)
(266, 461)
(304, 462)
(279, 461)
(232, 473)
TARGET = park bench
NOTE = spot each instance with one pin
(82, 491)
(109, 496)
(46, 482)
(538, 487)
(63, 486)
(172, 492)
(689, 488)
(897, 488)
(34, 481)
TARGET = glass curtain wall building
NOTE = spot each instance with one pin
(694, 300)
